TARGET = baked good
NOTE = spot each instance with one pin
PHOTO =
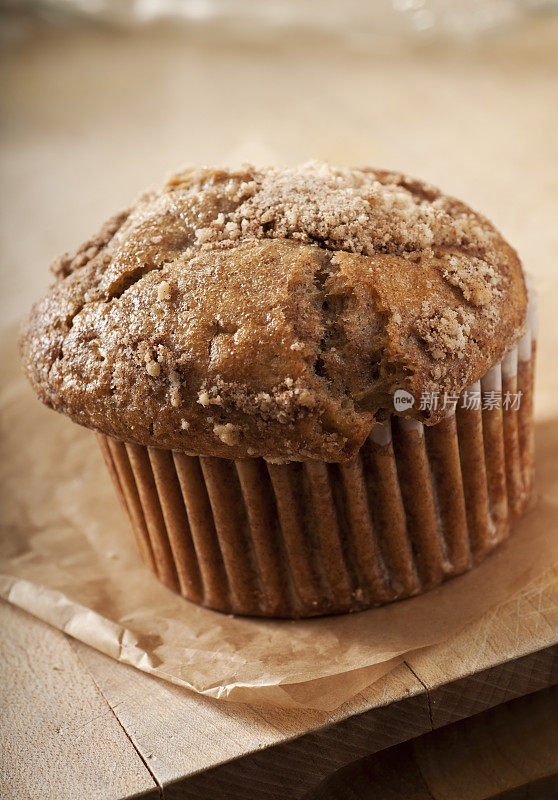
(251, 327)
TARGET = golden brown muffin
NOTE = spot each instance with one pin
(273, 312)
(236, 339)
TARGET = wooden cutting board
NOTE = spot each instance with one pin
(75, 723)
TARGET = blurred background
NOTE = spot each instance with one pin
(101, 99)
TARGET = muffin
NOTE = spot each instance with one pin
(312, 387)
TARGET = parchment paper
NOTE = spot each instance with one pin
(68, 557)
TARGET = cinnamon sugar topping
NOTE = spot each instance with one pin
(279, 310)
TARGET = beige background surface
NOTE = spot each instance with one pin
(92, 116)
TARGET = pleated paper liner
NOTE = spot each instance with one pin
(417, 506)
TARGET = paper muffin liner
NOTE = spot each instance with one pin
(418, 505)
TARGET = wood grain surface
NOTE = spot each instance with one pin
(59, 737)
(502, 642)
(128, 732)
(508, 753)
(209, 748)
(285, 752)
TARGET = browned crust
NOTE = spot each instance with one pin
(65, 264)
(273, 312)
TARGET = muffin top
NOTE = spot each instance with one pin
(273, 312)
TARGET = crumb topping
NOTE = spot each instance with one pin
(228, 433)
(446, 333)
(163, 291)
(358, 211)
(153, 369)
(273, 311)
(479, 280)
